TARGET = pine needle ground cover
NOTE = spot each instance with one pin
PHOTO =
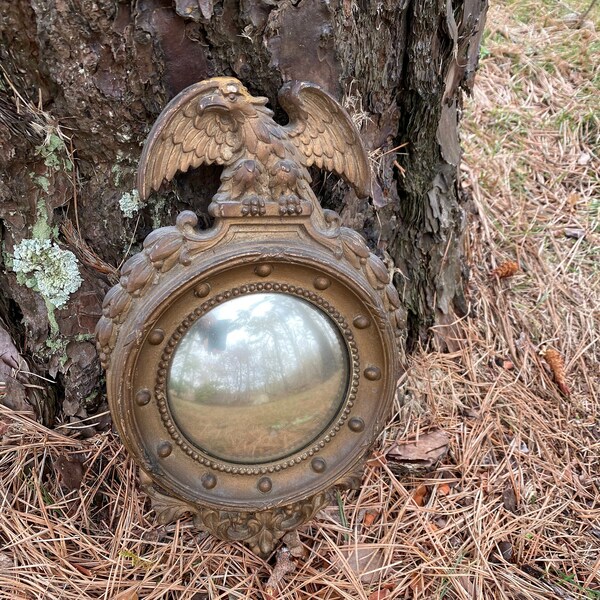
(512, 508)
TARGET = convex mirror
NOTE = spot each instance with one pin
(251, 366)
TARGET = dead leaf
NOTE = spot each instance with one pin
(129, 594)
(366, 560)
(444, 489)
(417, 585)
(69, 471)
(370, 517)
(509, 498)
(380, 595)
(379, 199)
(424, 453)
(292, 541)
(503, 550)
(573, 199)
(207, 7)
(9, 354)
(6, 562)
(466, 583)
(420, 494)
(15, 396)
(283, 566)
(377, 460)
(472, 412)
(584, 159)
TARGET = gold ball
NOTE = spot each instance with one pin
(164, 449)
(202, 290)
(322, 283)
(372, 373)
(356, 424)
(156, 336)
(361, 322)
(265, 485)
(209, 481)
(143, 397)
(263, 270)
(318, 465)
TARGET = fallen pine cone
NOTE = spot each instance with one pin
(557, 366)
(505, 269)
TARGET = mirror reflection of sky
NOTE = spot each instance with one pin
(273, 364)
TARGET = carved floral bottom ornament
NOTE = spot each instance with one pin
(250, 367)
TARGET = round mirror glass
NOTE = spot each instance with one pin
(258, 377)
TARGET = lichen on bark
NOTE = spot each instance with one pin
(48, 269)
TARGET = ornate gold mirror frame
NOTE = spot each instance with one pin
(277, 294)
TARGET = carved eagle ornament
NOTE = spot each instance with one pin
(218, 122)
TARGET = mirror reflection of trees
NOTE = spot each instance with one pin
(275, 361)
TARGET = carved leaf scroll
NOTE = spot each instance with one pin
(163, 249)
(260, 530)
(357, 253)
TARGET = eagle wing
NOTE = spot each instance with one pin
(186, 136)
(325, 134)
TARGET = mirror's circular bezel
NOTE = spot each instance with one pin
(138, 378)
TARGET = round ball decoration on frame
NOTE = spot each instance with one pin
(251, 366)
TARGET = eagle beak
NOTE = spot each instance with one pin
(259, 100)
(213, 102)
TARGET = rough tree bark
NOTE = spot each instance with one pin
(82, 82)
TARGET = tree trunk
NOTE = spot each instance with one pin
(82, 82)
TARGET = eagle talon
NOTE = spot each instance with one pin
(290, 205)
(253, 207)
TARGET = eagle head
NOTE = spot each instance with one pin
(228, 94)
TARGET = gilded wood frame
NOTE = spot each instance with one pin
(181, 274)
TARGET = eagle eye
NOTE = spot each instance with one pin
(232, 97)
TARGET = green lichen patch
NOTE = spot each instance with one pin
(57, 345)
(45, 267)
(124, 168)
(55, 154)
(42, 229)
(130, 203)
(42, 182)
